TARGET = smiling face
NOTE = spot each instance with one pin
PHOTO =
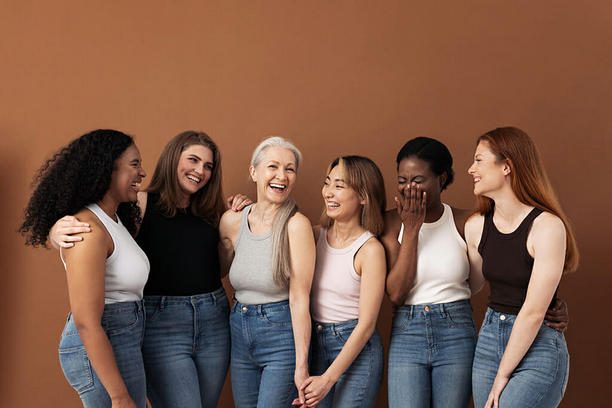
(275, 174)
(489, 173)
(195, 166)
(127, 175)
(414, 170)
(341, 201)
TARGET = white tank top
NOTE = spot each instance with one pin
(443, 268)
(334, 296)
(127, 268)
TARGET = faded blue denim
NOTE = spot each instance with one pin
(263, 355)
(124, 325)
(540, 378)
(430, 356)
(186, 349)
(358, 386)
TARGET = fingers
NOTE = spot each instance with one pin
(307, 382)
(301, 398)
(561, 326)
(228, 202)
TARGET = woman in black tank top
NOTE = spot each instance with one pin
(186, 340)
(521, 241)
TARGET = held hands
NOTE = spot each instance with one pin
(314, 389)
(299, 378)
(498, 386)
(411, 207)
(237, 202)
(558, 316)
(61, 234)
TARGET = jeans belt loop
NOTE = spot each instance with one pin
(162, 302)
(442, 310)
(411, 310)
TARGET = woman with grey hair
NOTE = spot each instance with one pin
(272, 253)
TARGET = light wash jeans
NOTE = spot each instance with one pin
(540, 378)
(186, 349)
(430, 356)
(263, 355)
(358, 386)
(123, 323)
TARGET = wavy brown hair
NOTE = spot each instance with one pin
(207, 203)
(529, 181)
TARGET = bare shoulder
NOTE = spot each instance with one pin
(298, 223)
(547, 224)
(230, 219)
(97, 240)
(473, 229)
(372, 247)
(372, 255)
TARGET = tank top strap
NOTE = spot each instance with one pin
(524, 227)
(108, 222)
(358, 243)
(488, 225)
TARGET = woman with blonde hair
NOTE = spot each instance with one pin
(272, 253)
(521, 241)
(349, 284)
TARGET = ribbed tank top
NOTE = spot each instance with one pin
(506, 263)
(127, 268)
(251, 273)
(183, 251)
(334, 296)
(443, 267)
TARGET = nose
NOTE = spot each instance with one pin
(143, 173)
(471, 169)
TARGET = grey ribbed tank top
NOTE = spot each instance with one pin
(251, 273)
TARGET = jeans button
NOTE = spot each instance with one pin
(244, 309)
(502, 317)
(193, 299)
(319, 327)
(427, 308)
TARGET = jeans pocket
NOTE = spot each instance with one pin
(278, 316)
(121, 322)
(400, 322)
(77, 368)
(344, 333)
(460, 318)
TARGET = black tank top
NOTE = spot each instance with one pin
(183, 251)
(506, 264)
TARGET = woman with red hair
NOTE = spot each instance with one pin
(522, 243)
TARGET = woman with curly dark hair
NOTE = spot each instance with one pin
(186, 342)
(97, 177)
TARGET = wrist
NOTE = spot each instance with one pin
(330, 377)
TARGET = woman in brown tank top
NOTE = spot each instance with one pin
(521, 241)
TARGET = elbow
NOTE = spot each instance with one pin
(396, 297)
(85, 326)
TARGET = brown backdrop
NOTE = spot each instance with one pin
(335, 77)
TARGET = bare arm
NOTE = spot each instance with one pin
(370, 262)
(85, 272)
(411, 210)
(473, 231)
(229, 227)
(303, 252)
(547, 239)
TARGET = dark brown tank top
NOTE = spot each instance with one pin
(506, 264)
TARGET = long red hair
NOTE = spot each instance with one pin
(528, 180)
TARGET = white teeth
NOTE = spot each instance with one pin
(333, 205)
(476, 179)
(194, 179)
(277, 186)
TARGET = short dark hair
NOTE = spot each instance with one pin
(433, 152)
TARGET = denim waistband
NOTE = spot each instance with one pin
(333, 327)
(440, 308)
(118, 307)
(247, 309)
(492, 315)
(162, 301)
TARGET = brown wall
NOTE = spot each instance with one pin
(335, 77)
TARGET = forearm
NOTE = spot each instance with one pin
(102, 357)
(524, 331)
(401, 276)
(351, 349)
(300, 317)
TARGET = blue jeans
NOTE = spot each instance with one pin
(430, 355)
(540, 378)
(358, 386)
(263, 355)
(124, 325)
(186, 349)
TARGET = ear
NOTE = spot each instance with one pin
(443, 179)
(507, 168)
(253, 174)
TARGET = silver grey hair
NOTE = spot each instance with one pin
(275, 141)
(281, 255)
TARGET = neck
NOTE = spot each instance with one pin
(344, 231)
(434, 213)
(109, 205)
(264, 212)
(184, 200)
(508, 207)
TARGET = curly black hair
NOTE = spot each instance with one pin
(77, 175)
